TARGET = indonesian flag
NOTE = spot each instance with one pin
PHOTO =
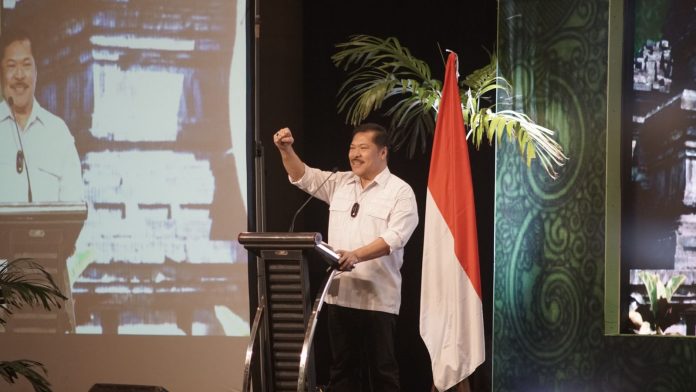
(451, 313)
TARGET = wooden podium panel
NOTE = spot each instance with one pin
(45, 232)
(285, 311)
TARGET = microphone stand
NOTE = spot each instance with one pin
(311, 196)
(10, 103)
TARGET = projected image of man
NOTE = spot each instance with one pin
(372, 215)
(38, 158)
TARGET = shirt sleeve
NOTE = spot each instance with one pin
(402, 221)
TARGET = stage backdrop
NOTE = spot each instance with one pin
(155, 95)
(549, 239)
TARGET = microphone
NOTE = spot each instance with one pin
(21, 156)
(311, 196)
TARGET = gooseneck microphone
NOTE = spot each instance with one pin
(21, 156)
(311, 196)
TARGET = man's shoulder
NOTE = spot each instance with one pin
(4, 110)
(53, 125)
(49, 118)
(397, 182)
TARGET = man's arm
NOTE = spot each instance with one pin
(293, 164)
(373, 250)
(402, 222)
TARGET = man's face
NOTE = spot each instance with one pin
(19, 75)
(366, 158)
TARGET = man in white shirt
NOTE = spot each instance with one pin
(38, 158)
(372, 215)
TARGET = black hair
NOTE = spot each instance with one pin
(9, 36)
(379, 134)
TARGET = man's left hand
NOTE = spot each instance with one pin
(348, 260)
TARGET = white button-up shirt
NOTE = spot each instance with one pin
(387, 210)
(54, 166)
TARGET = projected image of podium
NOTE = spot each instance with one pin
(45, 232)
(285, 320)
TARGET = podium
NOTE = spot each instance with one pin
(285, 319)
(45, 232)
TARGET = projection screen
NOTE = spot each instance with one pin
(154, 94)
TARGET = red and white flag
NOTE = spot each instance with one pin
(451, 313)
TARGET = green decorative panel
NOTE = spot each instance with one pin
(549, 235)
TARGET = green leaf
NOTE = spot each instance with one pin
(521, 139)
(672, 285)
(650, 281)
(23, 282)
(660, 291)
(476, 127)
(490, 87)
(509, 130)
(531, 153)
(10, 371)
(482, 76)
(498, 131)
(490, 131)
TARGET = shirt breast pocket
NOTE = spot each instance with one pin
(340, 205)
(7, 161)
(378, 210)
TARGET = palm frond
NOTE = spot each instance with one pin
(364, 93)
(413, 114)
(31, 370)
(364, 51)
(23, 282)
(539, 141)
(482, 76)
(412, 121)
(383, 70)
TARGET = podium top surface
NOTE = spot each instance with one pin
(279, 240)
(52, 211)
(256, 242)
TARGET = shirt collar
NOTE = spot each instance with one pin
(5, 111)
(380, 179)
(37, 112)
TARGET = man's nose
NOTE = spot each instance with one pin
(19, 73)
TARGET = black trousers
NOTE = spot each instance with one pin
(362, 350)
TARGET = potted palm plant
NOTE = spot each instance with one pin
(24, 282)
(382, 72)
